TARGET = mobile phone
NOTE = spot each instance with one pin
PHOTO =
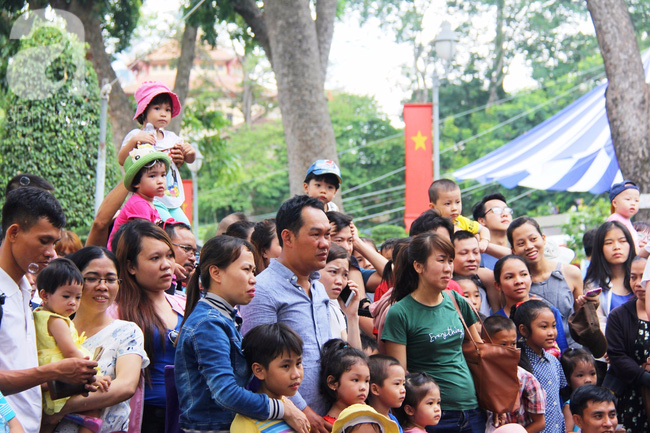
(593, 292)
(346, 295)
(59, 389)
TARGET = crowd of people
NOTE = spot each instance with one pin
(297, 323)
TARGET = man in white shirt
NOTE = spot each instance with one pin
(31, 224)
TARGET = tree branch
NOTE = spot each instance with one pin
(325, 15)
(255, 19)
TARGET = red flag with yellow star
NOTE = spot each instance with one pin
(418, 160)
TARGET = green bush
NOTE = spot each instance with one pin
(386, 231)
(56, 137)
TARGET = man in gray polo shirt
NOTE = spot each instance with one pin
(288, 291)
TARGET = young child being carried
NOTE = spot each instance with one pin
(322, 181)
(532, 400)
(444, 198)
(421, 407)
(274, 353)
(387, 391)
(624, 197)
(60, 285)
(157, 105)
(145, 173)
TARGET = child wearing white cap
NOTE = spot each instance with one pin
(322, 181)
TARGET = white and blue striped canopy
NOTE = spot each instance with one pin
(571, 151)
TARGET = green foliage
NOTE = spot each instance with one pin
(582, 218)
(368, 147)
(57, 137)
(254, 175)
(386, 231)
(256, 180)
(120, 18)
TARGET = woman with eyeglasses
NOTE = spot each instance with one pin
(123, 356)
(146, 257)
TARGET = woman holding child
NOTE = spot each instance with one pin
(123, 356)
(210, 368)
(423, 329)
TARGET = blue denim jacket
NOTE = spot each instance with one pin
(211, 373)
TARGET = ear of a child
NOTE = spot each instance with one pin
(523, 330)
(258, 370)
(375, 389)
(332, 383)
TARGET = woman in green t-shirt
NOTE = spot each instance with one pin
(424, 332)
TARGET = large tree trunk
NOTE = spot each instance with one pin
(497, 75)
(627, 94)
(183, 70)
(120, 108)
(299, 48)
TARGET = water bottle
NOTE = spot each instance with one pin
(148, 128)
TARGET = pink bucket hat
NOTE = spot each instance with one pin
(149, 90)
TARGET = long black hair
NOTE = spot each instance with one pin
(336, 358)
(388, 275)
(220, 251)
(518, 222)
(599, 272)
(419, 250)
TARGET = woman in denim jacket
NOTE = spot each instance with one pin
(210, 367)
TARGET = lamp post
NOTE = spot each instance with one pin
(444, 45)
(194, 169)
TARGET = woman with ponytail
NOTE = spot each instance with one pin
(423, 329)
(210, 367)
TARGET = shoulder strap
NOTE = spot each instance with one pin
(462, 319)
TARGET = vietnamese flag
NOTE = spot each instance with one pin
(418, 158)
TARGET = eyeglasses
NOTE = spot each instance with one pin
(190, 251)
(2, 302)
(499, 210)
(173, 336)
(110, 281)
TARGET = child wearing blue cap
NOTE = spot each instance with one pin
(322, 181)
(625, 204)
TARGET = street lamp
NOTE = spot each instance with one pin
(444, 45)
(194, 169)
